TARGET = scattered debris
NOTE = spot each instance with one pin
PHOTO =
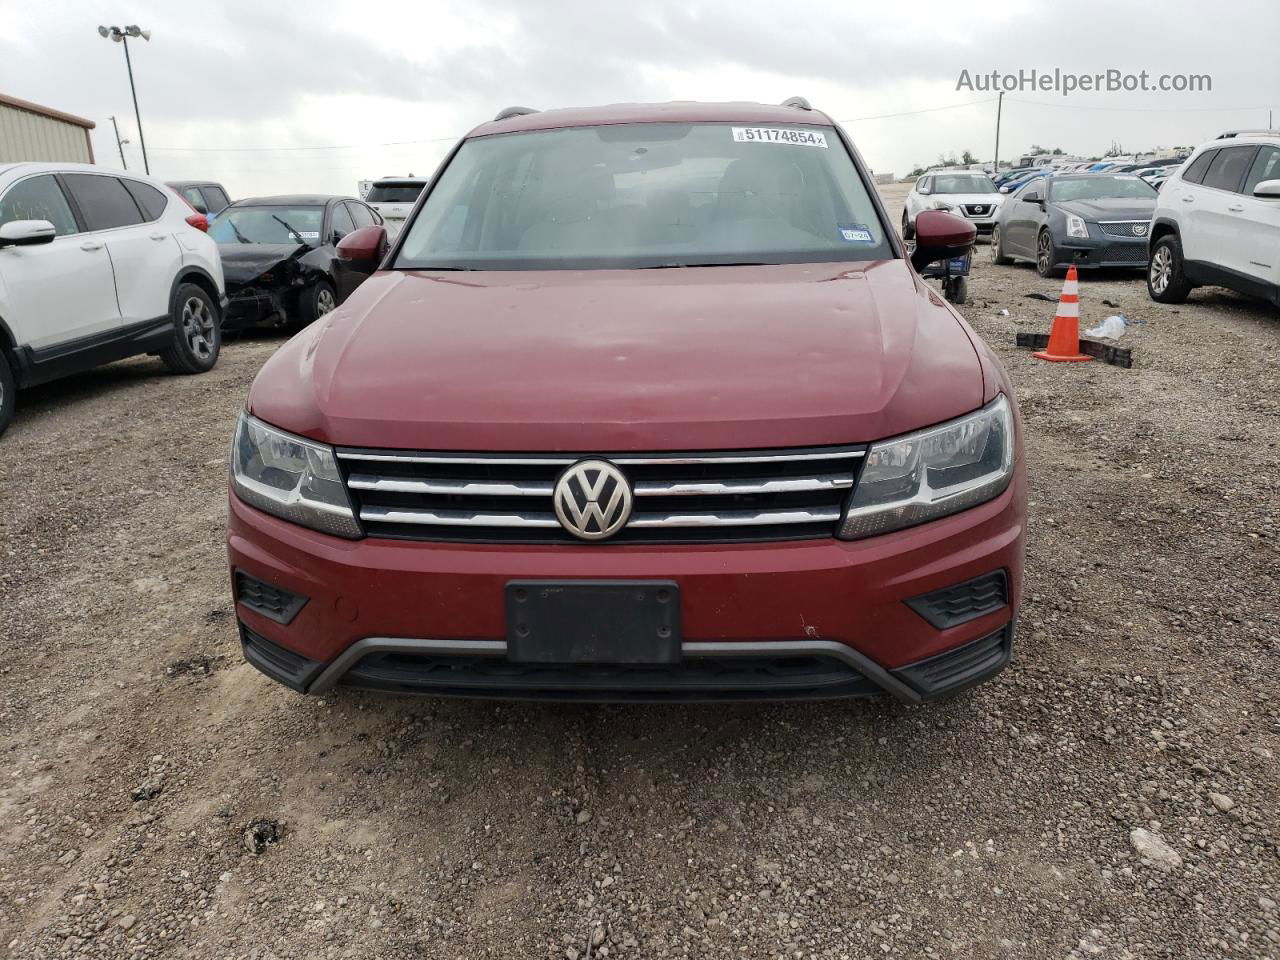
(1111, 328)
(200, 666)
(1153, 849)
(261, 834)
(149, 789)
(1046, 297)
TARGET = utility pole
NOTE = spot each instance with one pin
(119, 143)
(120, 35)
(995, 164)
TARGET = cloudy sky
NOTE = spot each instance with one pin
(234, 90)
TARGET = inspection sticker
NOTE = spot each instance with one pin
(804, 138)
(855, 233)
(309, 235)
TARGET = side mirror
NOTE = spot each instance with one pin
(1267, 190)
(26, 233)
(1033, 197)
(363, 249)
(1005, 190)
(941, 236)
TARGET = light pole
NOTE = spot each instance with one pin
(119, 143)
(995, 164)
(122, 35)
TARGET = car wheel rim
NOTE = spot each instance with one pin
(995, 244)
(324, 302)
(1044, 260)
(1161, 270)
(198, 328)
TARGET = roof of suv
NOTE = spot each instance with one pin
(677, 111)
(293, 199)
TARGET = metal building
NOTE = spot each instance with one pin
(29, 131)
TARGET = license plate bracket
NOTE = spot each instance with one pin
(593, 621)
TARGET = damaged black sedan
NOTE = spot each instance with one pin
(280, 259)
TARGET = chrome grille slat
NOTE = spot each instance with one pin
(679, 497)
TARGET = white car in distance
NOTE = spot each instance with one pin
(393, 198)
(969, 195)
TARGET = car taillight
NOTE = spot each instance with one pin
(199, 221)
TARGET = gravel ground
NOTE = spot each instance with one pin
(1114, 794)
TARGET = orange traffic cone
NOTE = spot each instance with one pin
(1064, 338)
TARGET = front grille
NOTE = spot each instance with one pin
(694, 678)
(678, 497)
(978, 209)
(1125, 228)
(1125, 253)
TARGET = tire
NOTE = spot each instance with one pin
(197, 332)
(997, 249)
(315, 302)
(908, 230)
(8, 393)
(1046, 256)
(959, 291)
(1166, 282)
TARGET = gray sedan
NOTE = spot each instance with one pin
(1089, 220)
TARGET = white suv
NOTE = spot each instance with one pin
(1218, 221)
(966, 194)
(393, 198)
(98, 266)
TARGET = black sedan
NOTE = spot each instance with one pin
(1089, 220)
(280, 260)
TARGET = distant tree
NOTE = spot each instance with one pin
(967, 158)
(917, 172)
(1058, 151)
(948, 161)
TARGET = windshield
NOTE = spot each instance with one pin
(963, 183)
(268, 224)
(646, 195)
(1099, 188)
(393, 193)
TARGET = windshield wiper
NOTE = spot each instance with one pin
(236, 230)
(290, 229)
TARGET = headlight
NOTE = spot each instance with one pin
(291, 478)
(1076, 227)
(932, 473)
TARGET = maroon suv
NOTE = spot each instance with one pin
(645, 402)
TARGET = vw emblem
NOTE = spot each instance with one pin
(1139, 229)
(593, 499)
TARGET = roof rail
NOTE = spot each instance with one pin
(799, 103)
(513, 112)
(1227, 135)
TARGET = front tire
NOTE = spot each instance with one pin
(8, 393)
(908, 229)
(1166, 281)
(315, 302)
(997, 249)
(1046, 256)
(197, 332)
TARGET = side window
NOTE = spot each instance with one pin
(361, 214)
(1229, 167)
(1195, 172)
(151, 200)
(216, 198)
(38, 198)
(193, 197)
(342, 222)
(103, 201)
(1266, 166)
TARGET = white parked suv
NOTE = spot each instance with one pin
(393, 198)
(1217, 221)
(97, 266)
(969, 195)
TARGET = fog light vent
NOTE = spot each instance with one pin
(274, 603)
(963, 602)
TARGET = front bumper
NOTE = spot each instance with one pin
(795, 620)
(248, 306)
(1105, 251)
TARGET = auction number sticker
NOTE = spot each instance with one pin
(803, 138)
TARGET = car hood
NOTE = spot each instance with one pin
(955, 199)
(1111, 208)
(246, 262)
(618, 360)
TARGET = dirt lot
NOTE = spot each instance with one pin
(137, 748)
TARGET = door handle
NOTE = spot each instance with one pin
(1236, 209)
(157, 236)
(91, 245)
(1188, 199)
